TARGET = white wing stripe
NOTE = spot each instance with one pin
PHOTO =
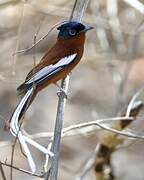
(40, 74)
(48, 69)
(65, 61)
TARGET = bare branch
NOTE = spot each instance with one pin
(2, 172)
(17, 40)
(22, 170)
(61, 106)
(58, 128)
(73, 10)
(89, 164)
(37, 42)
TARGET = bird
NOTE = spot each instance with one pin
(55, 65)
(58, 62)
(60, 59)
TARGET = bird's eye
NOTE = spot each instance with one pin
(72, 32)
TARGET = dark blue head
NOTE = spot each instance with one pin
(71, 29)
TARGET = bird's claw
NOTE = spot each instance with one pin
(63, 93)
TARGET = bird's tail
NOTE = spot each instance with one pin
(23, 88)
(21, 108)
(16, 131)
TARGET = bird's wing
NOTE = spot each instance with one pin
(51, 69)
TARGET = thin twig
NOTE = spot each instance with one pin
(37, 42)
(12, 153)
(2, 172)
(108, 143)
(89, 164)
(58, 128)
(17, 40)
(105, 127)
(73, 10)
(22, 170)
(72, 130)
(67, 130)
(12, 157)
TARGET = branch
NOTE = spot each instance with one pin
(61, 104)
(58, 128)
(37, 42)
(2, 172)
(22, 170)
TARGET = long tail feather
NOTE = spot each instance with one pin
(15, 130)
(23, 88)
(19, 109)
(27, 152)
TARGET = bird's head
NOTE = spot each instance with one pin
(72, 29)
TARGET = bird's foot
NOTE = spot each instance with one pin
(61, 91)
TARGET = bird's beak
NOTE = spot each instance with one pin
(87, 28)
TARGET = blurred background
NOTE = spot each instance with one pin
(110, 72)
